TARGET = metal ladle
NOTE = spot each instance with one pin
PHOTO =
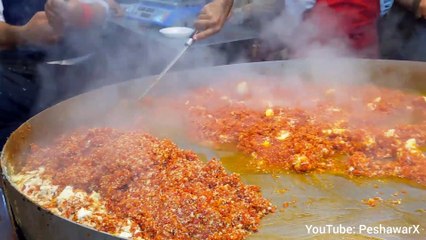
(188, 43)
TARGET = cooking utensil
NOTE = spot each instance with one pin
(188, 43)
(320, 199)
(70, 61)
(177, 32)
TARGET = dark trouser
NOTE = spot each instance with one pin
(18, 93)
(28, 85)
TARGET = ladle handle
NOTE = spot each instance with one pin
(191, 39)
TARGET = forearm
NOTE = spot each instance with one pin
(10, 36)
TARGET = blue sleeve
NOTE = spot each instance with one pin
(385, 6)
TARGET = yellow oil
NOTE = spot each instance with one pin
(242, 163)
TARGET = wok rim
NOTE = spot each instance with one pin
(4, 168)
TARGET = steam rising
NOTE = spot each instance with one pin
(120, 55)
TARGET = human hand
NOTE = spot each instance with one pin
(54, 11)
(73, 13)
(38, 31)
(115, 8)
(421, 10)
(212, 18)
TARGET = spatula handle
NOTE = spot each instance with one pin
(191, 39)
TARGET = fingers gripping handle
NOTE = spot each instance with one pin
(191, 39)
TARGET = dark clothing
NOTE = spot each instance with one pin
(18, 71)
(18, 93)
(19, 12)
(402, 35)
(27, 84)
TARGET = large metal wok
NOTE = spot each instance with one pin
(320, 199)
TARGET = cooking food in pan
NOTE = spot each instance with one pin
(131, 184)
(331, 153)
(350, 130)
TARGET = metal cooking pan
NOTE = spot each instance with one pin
(320, 199)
